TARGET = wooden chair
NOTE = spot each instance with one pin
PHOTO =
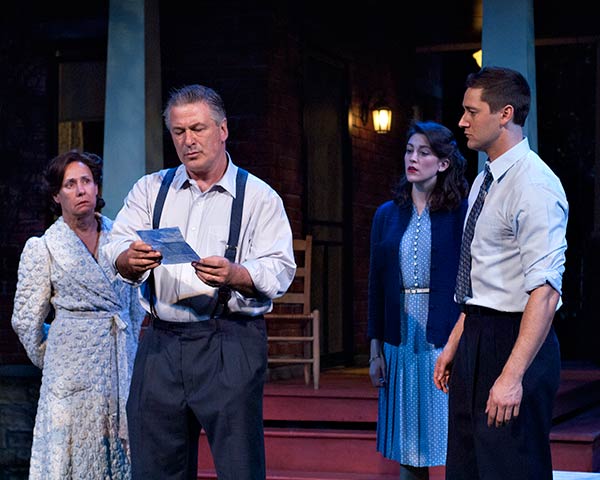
(293, 322)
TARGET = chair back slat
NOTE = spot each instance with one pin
(294, 306)
(298, 294)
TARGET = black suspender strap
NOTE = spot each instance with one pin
(158, 208)
(162, 194)
(235, 223)
(237, 209)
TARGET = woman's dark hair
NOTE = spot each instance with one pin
(451, 186)
(55, 174)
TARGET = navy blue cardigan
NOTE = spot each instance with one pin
(389, 224)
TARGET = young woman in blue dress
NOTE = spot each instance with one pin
(415, 246)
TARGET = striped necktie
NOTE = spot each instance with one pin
(463, 278)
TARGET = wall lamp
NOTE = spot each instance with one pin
(477, 56)
(382, 116)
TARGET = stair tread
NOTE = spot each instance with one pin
(436, 473)
(311, 432)
(584, 427)
(304, 426)
(579, 389)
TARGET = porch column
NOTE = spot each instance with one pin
(132, 124)
(508, 40)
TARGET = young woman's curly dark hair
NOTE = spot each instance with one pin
(451, 186)
(55, 173)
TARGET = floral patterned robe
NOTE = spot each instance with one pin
(86, 355)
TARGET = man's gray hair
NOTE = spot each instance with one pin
(195, 94)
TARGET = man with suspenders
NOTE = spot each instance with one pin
(202, 361)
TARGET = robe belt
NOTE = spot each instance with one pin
(123, 375)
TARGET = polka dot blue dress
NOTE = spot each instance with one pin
(412, 421)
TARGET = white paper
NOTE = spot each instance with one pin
(170, 243)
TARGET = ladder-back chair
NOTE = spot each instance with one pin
(294, 326)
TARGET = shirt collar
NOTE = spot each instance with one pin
(227, 181)
(505, 161)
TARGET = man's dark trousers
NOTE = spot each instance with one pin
(519, 450)
(189, 376)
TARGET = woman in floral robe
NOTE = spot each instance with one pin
(86, 353)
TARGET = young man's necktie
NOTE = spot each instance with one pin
(463, 279)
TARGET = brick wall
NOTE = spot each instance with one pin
(377, 162)
(19, 393)
(25, 117)
(254, 57)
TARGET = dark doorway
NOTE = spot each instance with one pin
(328, 202)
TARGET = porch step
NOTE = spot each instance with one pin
(331, 405)
(579, 390)
(436, 473)
(351, 398)
(329, 433)
(303, 475)
(317, 450)
(576, 442)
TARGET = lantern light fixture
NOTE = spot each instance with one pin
(382, 118)
(477, 56)
(381, 114)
